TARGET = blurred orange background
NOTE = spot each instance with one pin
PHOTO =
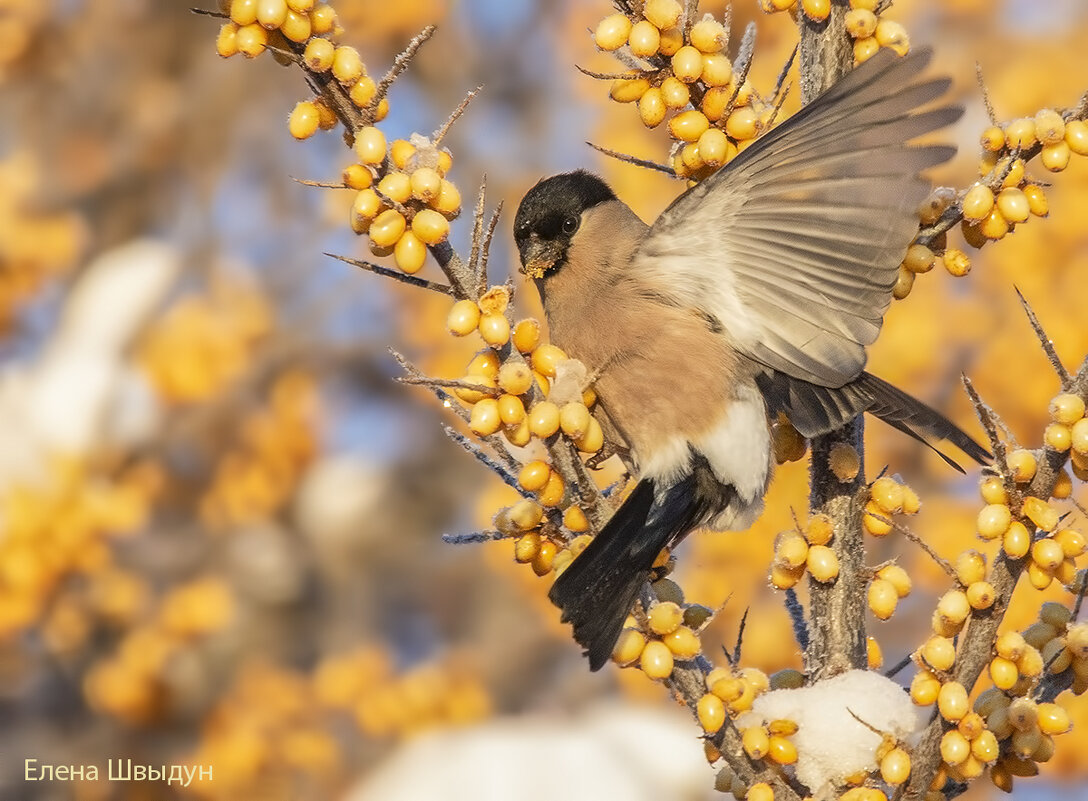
(221, 519)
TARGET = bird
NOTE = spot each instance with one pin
(754, 294)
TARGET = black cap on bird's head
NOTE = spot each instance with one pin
(550, 214)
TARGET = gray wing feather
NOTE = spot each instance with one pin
(795, 245)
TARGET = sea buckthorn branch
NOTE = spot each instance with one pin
(396, 275)
(1004, 196)
(337, 76)
(510, 394)
(836, 619)
(938, 560)
(1045, 342)
(978, 636)
(826, 51)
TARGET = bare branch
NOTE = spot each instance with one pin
(987, 417)
(1045, 341)
(836, 618)
(784, 74)
(440, 134)
(985, 94)
(400, 63)
(449, 383)
(941, 562)
(609, 76)
(485, 459)
(797, 618)
(485, 248)
(290, 55)
(479, 280)
(898, 666)
(204, 12)
(743, 62)
(650, 165)
(474, 538)
(735, 658)
(396, 275)
(319, 184)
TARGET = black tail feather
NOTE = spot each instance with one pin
(598, 589)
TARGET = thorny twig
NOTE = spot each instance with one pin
(490, 463)
(474, 538)
(477, 236)
(450, 383)
(797, 618)
(455, 115)
(940, 561)
(1045, 341)
(735, 658)
(400, 63)
(650, 165)
(898, 666)
(985, 94)
(396, 275)
(485, 246)
(608, 76)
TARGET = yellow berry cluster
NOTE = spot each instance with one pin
(403, 200)
(498, 391)
(383, 704)
(203, 342)
(736, 690)
(129, 684)
(1061, 643)
(921, 258)
(690, 77)
(771, 741)
(1068, 431)
(1020, 733)
(273, 728)
(1007, 729)
(254, 25)
(1052, 555)
(871, 31)
(34, 246)
(265, 731)
(1005, 196)
(890, 584)
(39, 558)
(888, 497)
(866, 27)
(254, 479)
(665, 638)
(795, 552)
(544, 552)
(967, 746)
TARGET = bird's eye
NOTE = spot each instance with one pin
(570, 225)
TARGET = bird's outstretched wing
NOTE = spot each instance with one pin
(795, 245)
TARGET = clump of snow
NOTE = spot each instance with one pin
(607, 752)
(831, 742)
